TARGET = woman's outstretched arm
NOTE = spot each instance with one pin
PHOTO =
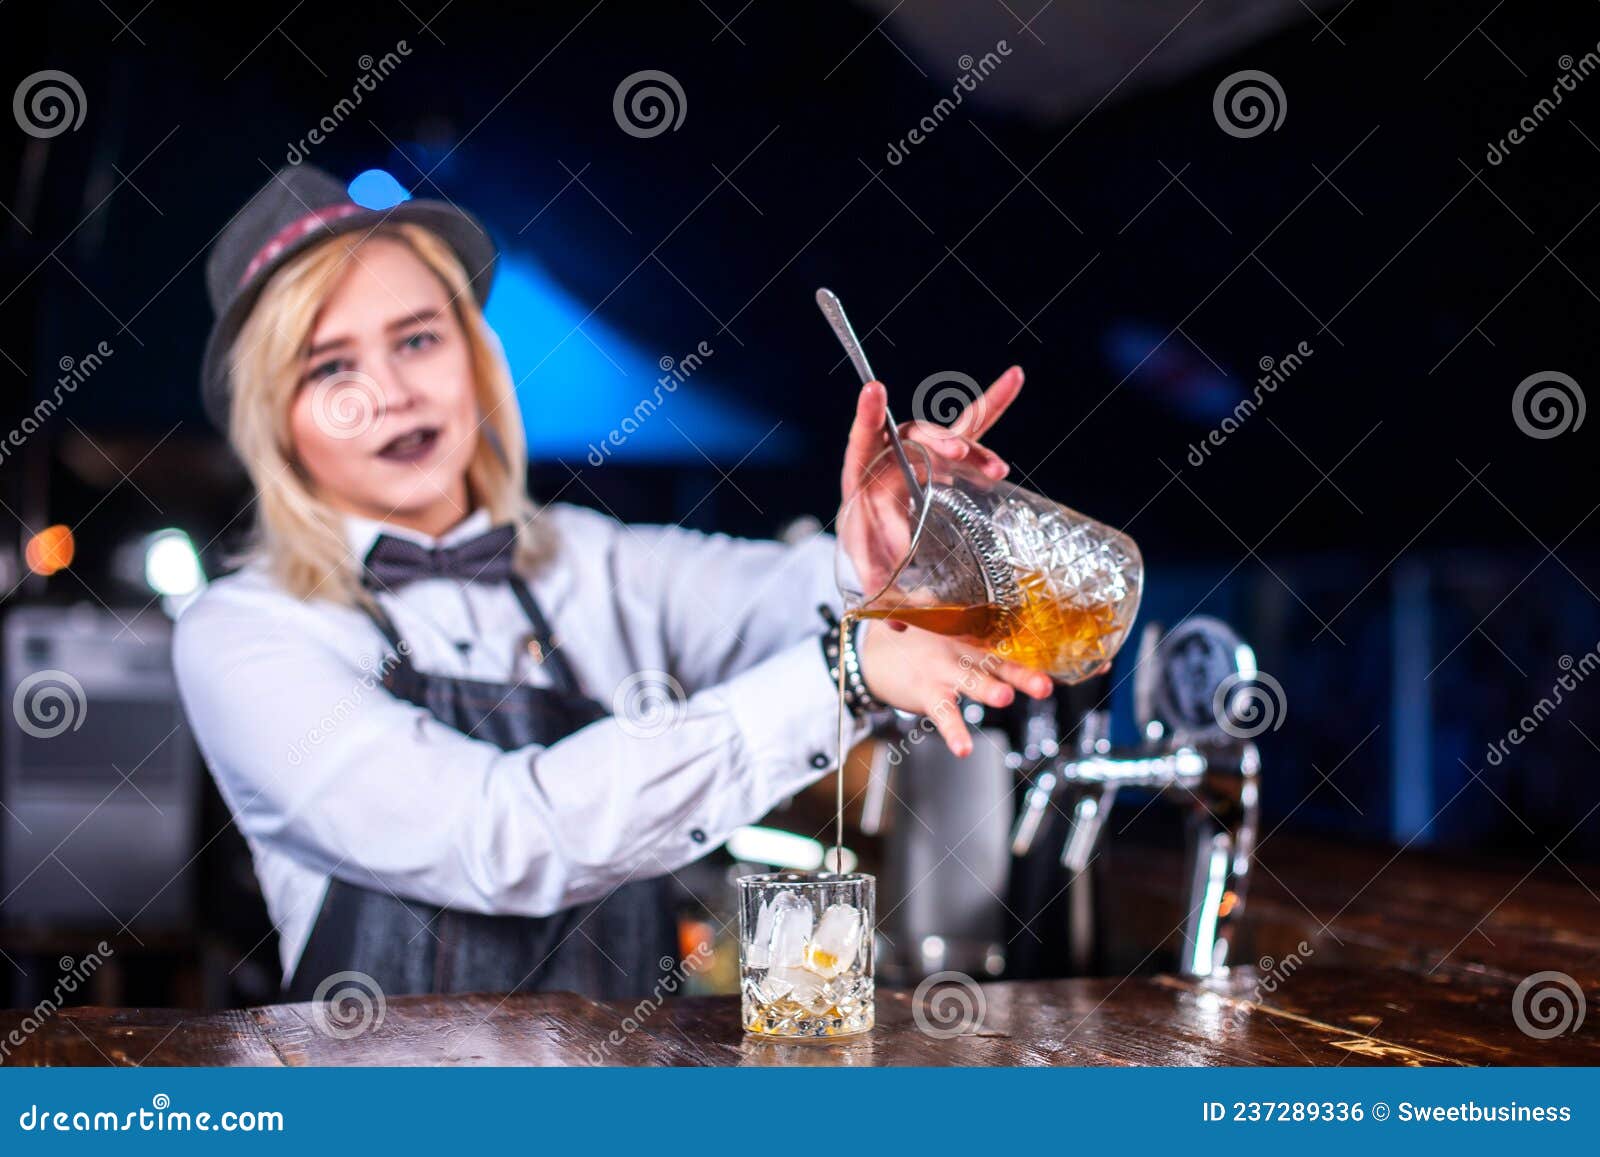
(316, 759)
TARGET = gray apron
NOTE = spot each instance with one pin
(616, 947)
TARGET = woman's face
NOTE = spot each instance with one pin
(384, 419)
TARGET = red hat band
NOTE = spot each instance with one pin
(295, 230)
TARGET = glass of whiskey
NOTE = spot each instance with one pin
(805, 953)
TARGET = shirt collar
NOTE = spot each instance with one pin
(360, 533)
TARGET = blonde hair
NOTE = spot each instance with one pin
(299, 536)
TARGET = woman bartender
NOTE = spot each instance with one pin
(421, 695)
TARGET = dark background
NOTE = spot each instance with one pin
(1408, 563)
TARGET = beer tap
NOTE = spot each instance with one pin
(1035, 760)
(1192, 752)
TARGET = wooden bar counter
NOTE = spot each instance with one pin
(1413, 961)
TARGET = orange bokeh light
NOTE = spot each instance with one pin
(50, 550)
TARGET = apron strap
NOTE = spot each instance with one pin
(385, 625)
(561, 672)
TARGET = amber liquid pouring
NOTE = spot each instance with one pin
(1044, 632)
(846, 625)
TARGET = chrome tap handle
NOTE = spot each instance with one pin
(1035, 806)
(1088, 821)
(1041, 743)
(1093, 805)
(1222, 828)
(1089, 817)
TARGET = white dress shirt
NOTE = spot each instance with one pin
(327, 774)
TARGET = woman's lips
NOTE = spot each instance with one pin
(412, 446)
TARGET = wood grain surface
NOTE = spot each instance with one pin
(1358, 957)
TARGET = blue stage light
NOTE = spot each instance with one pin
(377, 189)
(1169, 372)
(590, 392)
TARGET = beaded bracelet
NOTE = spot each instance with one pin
(839, 651)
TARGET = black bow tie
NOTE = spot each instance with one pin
(485, 559)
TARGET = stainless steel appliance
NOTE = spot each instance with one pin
(100, 782)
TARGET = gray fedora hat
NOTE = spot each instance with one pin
(298, 208)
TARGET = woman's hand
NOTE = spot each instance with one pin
(916, 670)
(868, 438)
(875, 538)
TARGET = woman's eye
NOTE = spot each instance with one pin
(326, 369)
(421, 340)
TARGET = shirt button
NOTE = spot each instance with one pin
(697, 835)
(819, 760)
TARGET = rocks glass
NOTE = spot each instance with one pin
(805, 953)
